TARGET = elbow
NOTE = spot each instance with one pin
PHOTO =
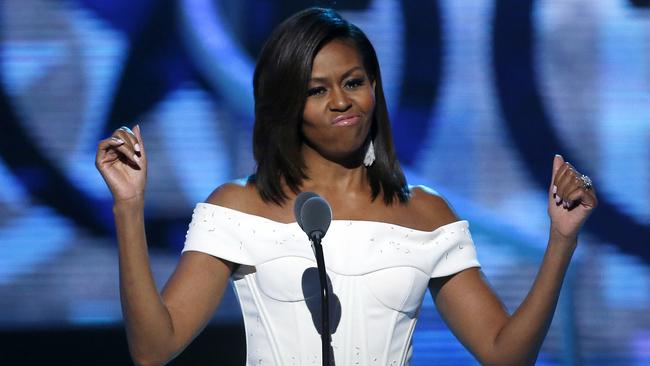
(149, 358)
(140, 362)
(152, 353)
(508, 360)
(507, 357)
(509, 353)
(146, 361)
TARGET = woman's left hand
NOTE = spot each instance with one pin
(571, 199)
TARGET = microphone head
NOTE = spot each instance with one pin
(316, 215)
(297, 206)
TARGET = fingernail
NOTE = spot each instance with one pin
(119, 141)
(558, 199)
(554, 189)
(136, 158)
(137, 147)
(565, 204)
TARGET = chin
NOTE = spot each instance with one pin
(345, 153)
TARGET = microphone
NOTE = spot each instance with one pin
(300, 201)
(314, 216)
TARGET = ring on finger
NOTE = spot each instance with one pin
(586, 182)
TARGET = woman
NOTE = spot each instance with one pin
(321, 125)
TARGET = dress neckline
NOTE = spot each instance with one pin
(337, 221)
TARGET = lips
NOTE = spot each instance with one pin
(346, 120)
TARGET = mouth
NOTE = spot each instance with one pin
(346, 120)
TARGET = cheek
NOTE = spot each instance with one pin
(310, 126)
(368, 106)
(310, 113)
(367, 101)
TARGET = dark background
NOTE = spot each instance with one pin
(482, 94)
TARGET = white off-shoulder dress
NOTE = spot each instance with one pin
(379, 274)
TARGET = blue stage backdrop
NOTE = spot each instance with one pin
(481, 93)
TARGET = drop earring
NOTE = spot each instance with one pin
(370, 155)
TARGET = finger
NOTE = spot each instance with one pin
(105, 146)
(131, 142)
(563, 180)
(591, 198)
(127, 154)
(134, 140)
(558, 160)
(127, 134)
(127, 151)
(557, 182)
(587, 196)
(569, 180)
(573, 197)
(111, 141)
(138, 134)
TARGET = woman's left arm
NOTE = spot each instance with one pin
(475, 314)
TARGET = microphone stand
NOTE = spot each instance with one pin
(314, 216)
(324, 296)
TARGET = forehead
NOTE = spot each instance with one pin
(337, 56)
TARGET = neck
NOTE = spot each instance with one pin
(337, 177)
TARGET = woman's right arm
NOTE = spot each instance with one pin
(158, 326)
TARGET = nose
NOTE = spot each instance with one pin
(339, 101)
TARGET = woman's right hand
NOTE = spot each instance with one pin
(122, 162)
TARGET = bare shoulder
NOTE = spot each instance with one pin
(238, 195)
(242, 195)
(426, 202)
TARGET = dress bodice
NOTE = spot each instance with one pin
(378, 272)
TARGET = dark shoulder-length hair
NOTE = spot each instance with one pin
(280, 87)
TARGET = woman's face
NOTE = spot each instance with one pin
(340, 102)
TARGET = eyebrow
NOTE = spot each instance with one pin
(345, 75)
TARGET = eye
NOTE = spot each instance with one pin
(355, 83)
(319, 90)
